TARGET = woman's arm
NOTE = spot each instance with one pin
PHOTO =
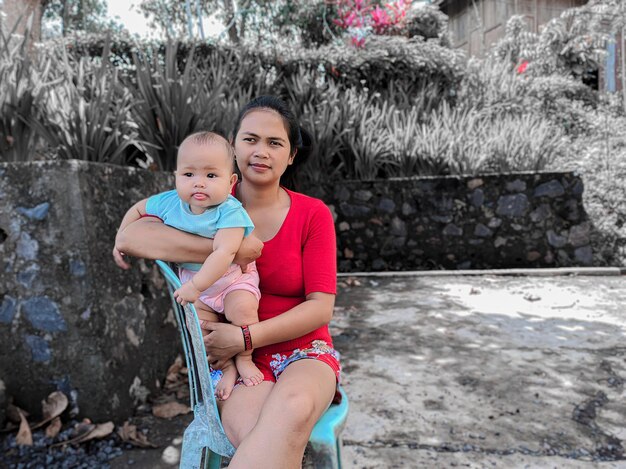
(151, 239)
(306, 317)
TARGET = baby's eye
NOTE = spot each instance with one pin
(211, 175)
(188, 175)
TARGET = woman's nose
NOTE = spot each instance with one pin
(262, 153)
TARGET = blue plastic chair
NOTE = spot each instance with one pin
(205, 435)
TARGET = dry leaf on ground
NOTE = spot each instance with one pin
(24, 436)
(52, 407)
(129, 434)
(13, 413)
(100, 431)
(54, 428)
(170, 409)
(175, 367)
(86, 431)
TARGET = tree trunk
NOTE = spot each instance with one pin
(199, 18)
(65, 15)
(189, 19)
(231, 20)
(19, 13)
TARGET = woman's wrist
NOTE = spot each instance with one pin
(247, 338)
(255, 333)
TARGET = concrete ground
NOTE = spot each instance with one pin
(478, 372)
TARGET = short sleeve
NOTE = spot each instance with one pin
(158, 205)
(319, 254)
(233, 215)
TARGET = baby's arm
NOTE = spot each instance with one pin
(133, 214)
(225, 245)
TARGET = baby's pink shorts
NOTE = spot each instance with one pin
(233, 279)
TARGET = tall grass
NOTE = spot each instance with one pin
(23, 79)
(83, 107)
(87, 114)
(170, 103)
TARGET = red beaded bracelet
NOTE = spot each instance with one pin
(247, 338)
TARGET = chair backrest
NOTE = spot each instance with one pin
(202, 392)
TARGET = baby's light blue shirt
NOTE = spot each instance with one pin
(176, 213)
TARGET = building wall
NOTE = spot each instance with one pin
(611, 78)
(476, 24)
(19, 11)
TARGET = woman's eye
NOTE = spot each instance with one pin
(248, 139)
(275, 142)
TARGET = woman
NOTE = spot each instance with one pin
(297, 270)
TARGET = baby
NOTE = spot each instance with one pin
(202, 204)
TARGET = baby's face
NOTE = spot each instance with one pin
(204, 175)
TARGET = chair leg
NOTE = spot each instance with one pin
(212, 460)
(339, 444)
(325, 456)
(190, 456)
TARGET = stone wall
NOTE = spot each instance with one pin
(69, 318)
(486, 222)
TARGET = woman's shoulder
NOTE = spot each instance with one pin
(309, 208)
(304, 201)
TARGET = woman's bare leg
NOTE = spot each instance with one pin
(241, 411)
(295, 403)
(229, 371)
(241, 309)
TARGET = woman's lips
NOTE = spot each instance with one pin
(259, 167)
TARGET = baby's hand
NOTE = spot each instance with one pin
(188, 293)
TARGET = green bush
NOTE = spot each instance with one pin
(23, 82)
(86, 114)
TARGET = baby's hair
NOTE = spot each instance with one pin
(207, 138)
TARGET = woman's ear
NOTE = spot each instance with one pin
(293, 155)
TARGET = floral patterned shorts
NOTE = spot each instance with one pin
(273, 365)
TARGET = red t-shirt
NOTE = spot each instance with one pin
(299, 260)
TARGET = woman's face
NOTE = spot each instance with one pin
(262, 147)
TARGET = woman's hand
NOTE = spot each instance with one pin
(119, 258)
(222, 343)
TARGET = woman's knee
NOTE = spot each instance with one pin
(297, 410)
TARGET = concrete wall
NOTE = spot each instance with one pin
(494, 221)
(69, 318)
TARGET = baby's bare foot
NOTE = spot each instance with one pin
(226, 383)
(250, 374)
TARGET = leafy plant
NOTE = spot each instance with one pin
(24, 78)
(171, 104)
(87, 113)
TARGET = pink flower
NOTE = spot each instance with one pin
(358, 42)
(521, 68)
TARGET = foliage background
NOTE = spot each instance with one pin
(404, 104)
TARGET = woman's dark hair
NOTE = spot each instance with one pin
(299, 138)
